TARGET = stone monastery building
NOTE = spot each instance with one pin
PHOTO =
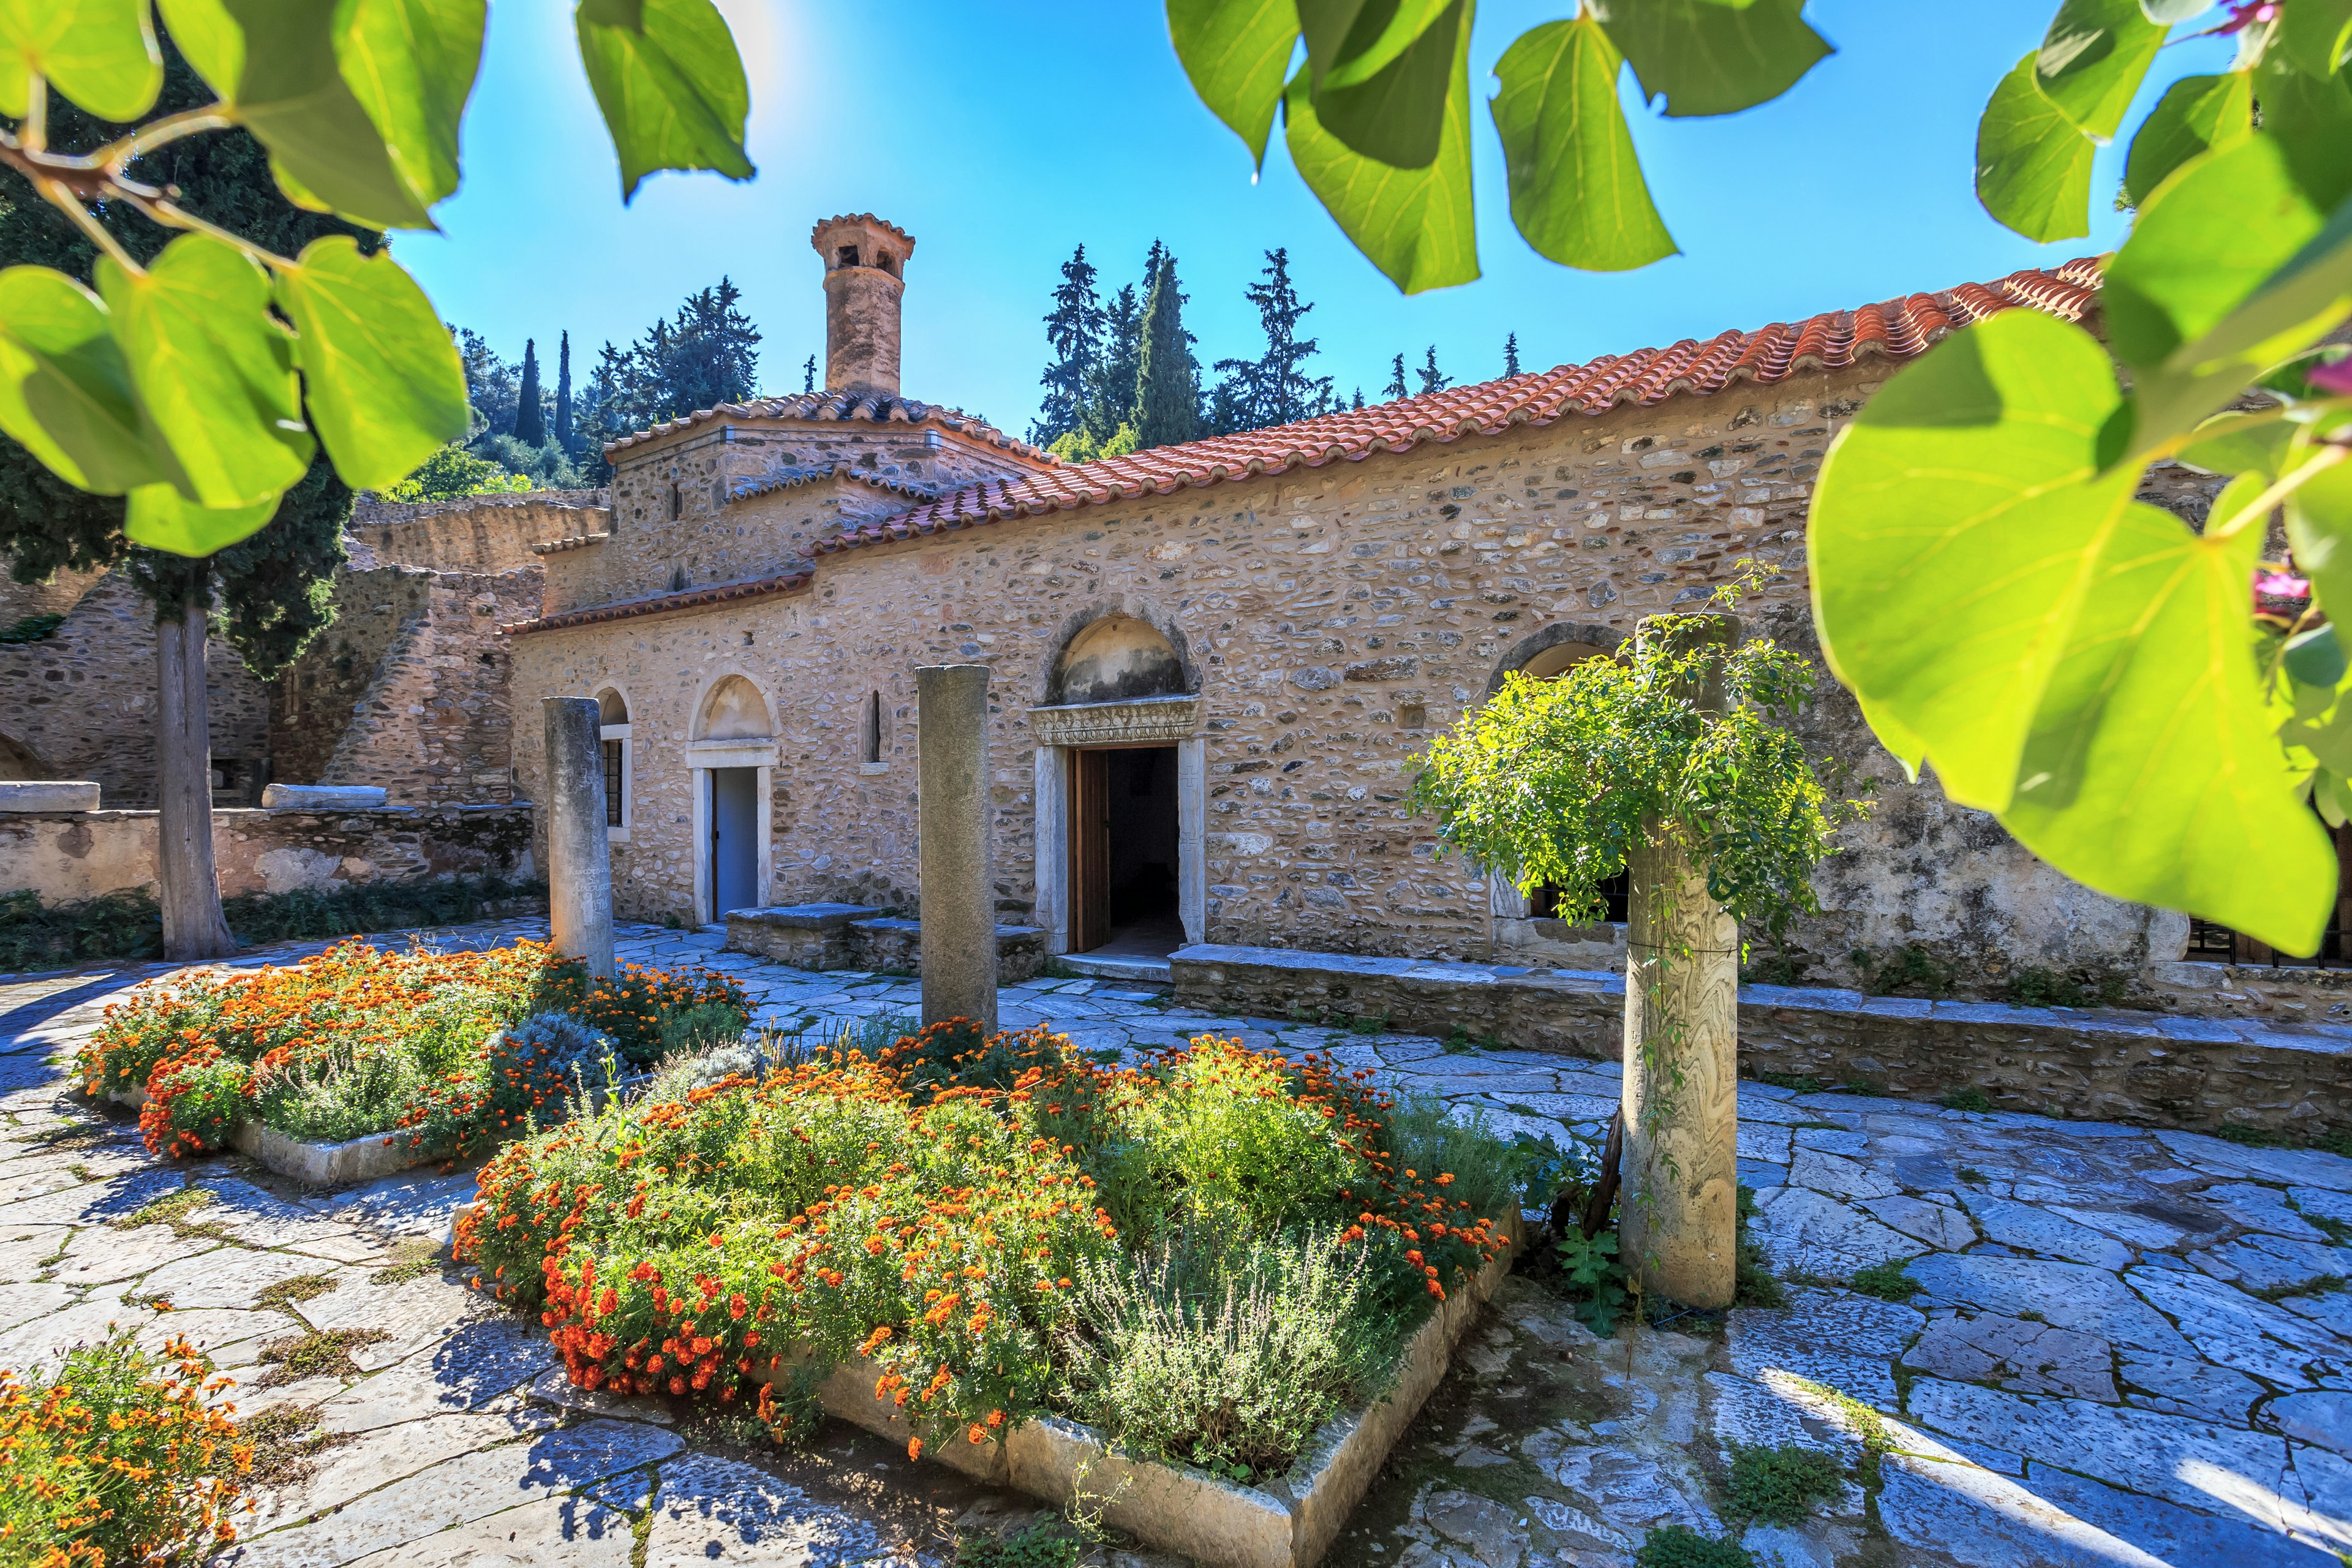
(1212, 663)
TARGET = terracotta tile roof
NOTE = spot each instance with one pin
(1896, 330)
(827, 407)
(664, 603)
(791, 479)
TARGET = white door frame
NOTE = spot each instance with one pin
(701, 756)
(1052, 796)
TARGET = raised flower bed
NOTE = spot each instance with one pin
(363, 1060)
(1210, 1291)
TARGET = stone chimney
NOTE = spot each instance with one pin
(864, 262)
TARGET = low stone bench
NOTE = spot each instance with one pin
(853, 936)
(2097, 1064)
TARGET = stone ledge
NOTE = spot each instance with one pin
(823, 937)
(25, 795)
(2144, 1068)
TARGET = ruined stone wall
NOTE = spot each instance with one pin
(475, 534)
(67, 857)
(80, 703)
(408, 690)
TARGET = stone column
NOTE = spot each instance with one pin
(951, 796)
(579, 859)
(1678, 1212)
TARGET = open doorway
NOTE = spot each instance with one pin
(734, 840)
(1123, 852)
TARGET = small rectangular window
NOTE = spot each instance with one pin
(612, 782)
(872, 752)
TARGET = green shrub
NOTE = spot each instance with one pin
(1044, 1543)
(1488, 1173)
(342, 1093)
(117, 925)
(1230, 1143)
(1680, 1546)
(1229, 1359)
(1778, 1485)
(33, 628)
(1595, 1278)
(1968, 1098)
(1909, 971)
(693, 1030)
(1886, 1281)
(2034, 986)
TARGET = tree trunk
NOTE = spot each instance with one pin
(194, 927)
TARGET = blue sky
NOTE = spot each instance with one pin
(1002, 136)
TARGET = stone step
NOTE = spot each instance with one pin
(1138, 971)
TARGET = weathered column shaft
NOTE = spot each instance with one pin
(1678, 1213)
(579, 856)
(951, 794)
(1678, 1209)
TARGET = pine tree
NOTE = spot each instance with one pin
(563, 392)
(1396, 387)
(530, 423)
(1110, 400)
(1511, 354)
(1167, 379)
(1274, 389)
(491, 386)
(1074, 333)
(1359, 402)
(268, 593)
(808, 374)
(1431, 378)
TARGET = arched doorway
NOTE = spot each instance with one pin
(733, 756)
(1118, 772)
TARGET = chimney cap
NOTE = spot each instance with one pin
(824, 238)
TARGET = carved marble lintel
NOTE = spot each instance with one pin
(1141, 719)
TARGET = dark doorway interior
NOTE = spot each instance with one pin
(734, 840)
(1123, 853)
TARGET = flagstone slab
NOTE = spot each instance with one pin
(719, 1510)
(1846, 1342)
(2187, 1385)
(2032, 1228)
(21, 1303)
(100, 1254)
(1837, 1175)
(571, 1530)
(2319, 1416)
(1808, 1232)
(40, 1344)
(1942, 1225)
(2296, 1167)
(2067, 1295)
(234, 1280)
(478, 1363)
(2273, 1263)
(376, 1459)
(2262, 1209)
(2125, 1225)
(2231, 1329)
(2024, 1357)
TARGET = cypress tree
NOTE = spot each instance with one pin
(1074, 331)
(1111, 399)
(1511, 354)
(1396, 387)
(1431, 378)
(1168, 378)
(1359, 399)
(563, 391)
(530, 423)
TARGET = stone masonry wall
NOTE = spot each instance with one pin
(67, 857)
(80, 703)
(476, 533)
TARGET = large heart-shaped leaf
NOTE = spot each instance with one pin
(1703, 56)
(212, 369)
(669, 84)
(65, 391)
(161, 519)
(1577, 190)
(411, 64)
(384, 384)
(2312, 35)
(2070, 658)
(100, 53)
(274, 61)
(1395, 113)
(1415, 225)
(2195, 114)
(2310, 117)
(2092, 60)
(2034, 165)
(1351, 41)
(1237, 55)
(2229, 270)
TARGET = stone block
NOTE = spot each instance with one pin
(826, 936)
(47, 794)
(322, 797)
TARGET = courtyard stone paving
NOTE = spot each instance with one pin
(2128, 1347)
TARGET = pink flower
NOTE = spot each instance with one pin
(2335, 376)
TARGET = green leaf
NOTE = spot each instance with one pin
(672, 89)
(383, 382)
(2328, 793)
(1415, 225)
(212, 368)
(100, 53)
(2312, 35)
(2034, 165)
(2310, 117)
(1577, 191)
(1703, 56)
(1395, 114)
(65, 391)
(2153, 772)
(2319, 531)
(1237, 54)
(411, 64)
(1907, 748)
(2074, 660)
(2240, 444)
(2229, 270)
(2092, 59)
(160, 518)
(274, 61)
(1946, 537)
(2315, 657)
(2195, 115)
(2165, 12)
(1351, 41)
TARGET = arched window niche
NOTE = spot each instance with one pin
(618, 742)
(731, 761)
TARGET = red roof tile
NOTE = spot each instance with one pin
(1896, 330)
(664, 603)
(874, 408)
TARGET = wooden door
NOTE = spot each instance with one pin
(1089, 851)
